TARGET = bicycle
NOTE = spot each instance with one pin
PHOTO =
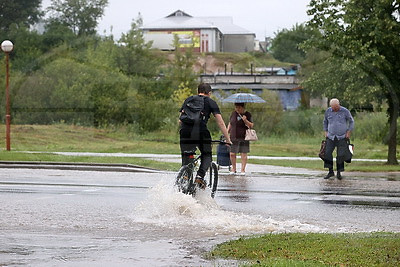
(185, 178)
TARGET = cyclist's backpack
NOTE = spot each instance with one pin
(192, 110)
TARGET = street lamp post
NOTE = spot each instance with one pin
(7, 46)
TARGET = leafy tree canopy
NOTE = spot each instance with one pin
(25, 12)
(80, 15)
(285, 45)
(134, 56)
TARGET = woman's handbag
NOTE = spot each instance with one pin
(321, 153)
(251, 134)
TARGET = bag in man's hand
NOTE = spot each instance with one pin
(192, 110)
(349, 151)
(251, 135)
(321, 153)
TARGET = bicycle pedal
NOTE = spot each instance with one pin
(200, 183)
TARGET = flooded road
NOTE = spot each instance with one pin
(81, 218)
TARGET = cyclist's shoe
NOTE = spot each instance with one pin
(201, 183)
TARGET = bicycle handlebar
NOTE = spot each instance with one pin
(220, 142)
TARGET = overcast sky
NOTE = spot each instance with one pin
(263, 17)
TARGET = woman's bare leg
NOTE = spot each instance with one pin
(244, 161)
(233, 161)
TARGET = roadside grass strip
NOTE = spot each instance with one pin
(314, 249)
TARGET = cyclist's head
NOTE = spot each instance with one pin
(204, 88)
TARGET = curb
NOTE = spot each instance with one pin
(75, 166)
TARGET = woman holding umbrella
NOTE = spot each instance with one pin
(239, 121)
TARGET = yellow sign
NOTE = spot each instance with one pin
(188, 38)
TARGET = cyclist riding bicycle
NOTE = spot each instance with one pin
(194, 115)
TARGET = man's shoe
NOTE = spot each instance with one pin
(339, 176)
(329, 175)
(200, 182)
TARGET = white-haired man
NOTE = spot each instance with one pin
(338, 124)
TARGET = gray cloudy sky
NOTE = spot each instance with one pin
(263, 17)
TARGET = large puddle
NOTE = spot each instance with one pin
(81, 218)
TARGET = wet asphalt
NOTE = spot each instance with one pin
(80, 215)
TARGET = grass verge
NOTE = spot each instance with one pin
(48, 157)
(359, 166)
(72, 138)
(314, 249)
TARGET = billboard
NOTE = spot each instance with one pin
(186, 38)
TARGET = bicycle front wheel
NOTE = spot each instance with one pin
(213, 182)
(184, 180)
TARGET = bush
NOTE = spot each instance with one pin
(150, 114)
(69, 91)
(304, 122)
(372, 127)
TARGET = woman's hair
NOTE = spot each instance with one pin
(239, 104)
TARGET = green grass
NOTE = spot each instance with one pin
(311, 249)
(62, 137)
(361, 166)
(48, 157)
(71, 138)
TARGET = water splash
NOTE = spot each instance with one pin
(166, 207)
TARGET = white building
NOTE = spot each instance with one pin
(206, 34)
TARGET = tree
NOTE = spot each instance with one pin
(25, 12)
(285, 45)
(181, 70)
(57, 33)
(80, 15)
(134, 56)
(364, 36)
(27, 48)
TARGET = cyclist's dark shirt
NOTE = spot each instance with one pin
(210, 106)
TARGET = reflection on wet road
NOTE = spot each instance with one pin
(59, 217)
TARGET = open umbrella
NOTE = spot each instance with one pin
(244, 98)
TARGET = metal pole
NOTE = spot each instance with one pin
(8, 116)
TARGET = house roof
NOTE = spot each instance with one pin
(225, 25)
(181, 20)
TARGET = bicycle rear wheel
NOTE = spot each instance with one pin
(213, 182)
(184, 180)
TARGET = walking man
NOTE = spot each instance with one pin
(338, 124)
(194, 115)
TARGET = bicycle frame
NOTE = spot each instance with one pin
(185, 178)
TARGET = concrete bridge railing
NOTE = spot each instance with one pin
(248, 79)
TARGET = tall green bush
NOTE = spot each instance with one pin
(69, 91)
(300, 122)
(371, 127)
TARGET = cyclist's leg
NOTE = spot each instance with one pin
(206, 153)
(187, 145)
(213, 179)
